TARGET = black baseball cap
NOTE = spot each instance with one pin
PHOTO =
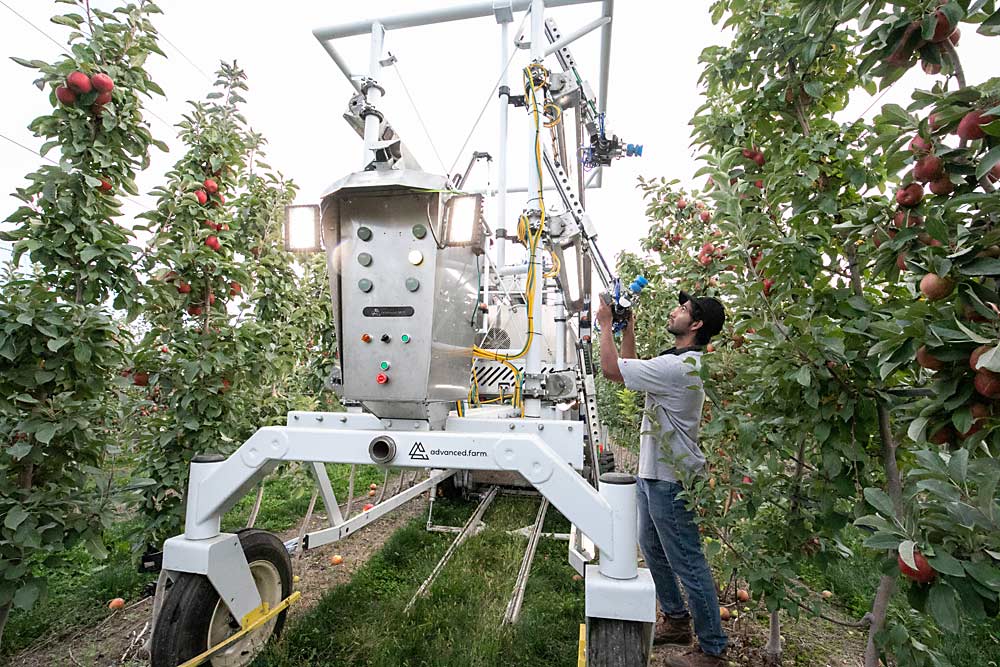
(706, 310)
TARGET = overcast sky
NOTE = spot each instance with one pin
(297, 94)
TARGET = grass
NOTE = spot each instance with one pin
(853, 583)
(458, 623)
(79, 591)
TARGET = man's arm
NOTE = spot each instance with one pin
(609, 352)
(628, 339)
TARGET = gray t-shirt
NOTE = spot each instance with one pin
(674, 399)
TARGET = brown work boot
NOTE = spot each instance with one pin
(694, 657)
(672, 630)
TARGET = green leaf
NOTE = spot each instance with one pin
(990, 159)
(917, 427)
(905, 550)
(803, 376)
(15, 516)
(19, 451)
(880, 500)
(28, 594)
(984, 266)
(89, 253)
(82, 353)
(958, 465)
(984, 573)
(945, 563)
(45, 433)
(55, 344)
(814, 89)
(943, 606)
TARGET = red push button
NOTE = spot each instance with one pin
(365, 338)
(382, 378)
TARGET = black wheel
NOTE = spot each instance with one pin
(614, 643)
(607, 461)
(193, 618)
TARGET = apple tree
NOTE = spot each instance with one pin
(59, 346)
(844, 393)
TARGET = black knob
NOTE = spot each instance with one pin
(385, 338)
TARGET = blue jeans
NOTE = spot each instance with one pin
(671, 545)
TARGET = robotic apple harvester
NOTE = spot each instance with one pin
(469, 371)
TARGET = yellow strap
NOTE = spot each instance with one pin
(581, 656)
(251, 621)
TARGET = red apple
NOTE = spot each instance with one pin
(105, 186)
(79, 83)
(943, 28)
(935, 122)
(971, 125)
(201, 196)
(184, 288)
(213, 242)
(935, 287)
(931, 68)
(976, 353)
(928, 168)
(943, 436)
(211, 299)
(920, 146)
(987, 383)
(906, 218)
(910, 195)
(226, 386)
(211, 186)
(928, 360)
(705, 216)
(924, 572)
(759, 184)
(140, 379)
(768, 284)
(682, 203)
(195, 310)
(65, 95)
(102, 83)
(955, 36)
(994, 173)
(942, 185)
(235, 288)
(102, 99)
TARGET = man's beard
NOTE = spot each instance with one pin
(675, 330)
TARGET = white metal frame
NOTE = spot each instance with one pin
(546, 452)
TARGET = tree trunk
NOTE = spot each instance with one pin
(772, 651)
(4, 613)
(886, 586)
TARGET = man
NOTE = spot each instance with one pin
(668, 454)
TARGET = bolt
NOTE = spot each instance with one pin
(295, 417)
(416, 425)
(541, 427)
(319, 418)
(510, 426)
(343, 420)
(388, 423)
(570, 429)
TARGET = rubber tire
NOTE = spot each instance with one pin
(615, 643)
(182, 627)
(606, 460)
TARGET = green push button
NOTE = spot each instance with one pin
(419, 231)
(405, 338)
(412, 284)
(364, 233)
(365, 285)
(365, 259)
(384, 365)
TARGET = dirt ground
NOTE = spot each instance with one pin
(118, 640)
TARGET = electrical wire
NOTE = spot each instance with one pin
(48, 159)
(183, 55)
(47, 35)
(399, 75)
(489, 98)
